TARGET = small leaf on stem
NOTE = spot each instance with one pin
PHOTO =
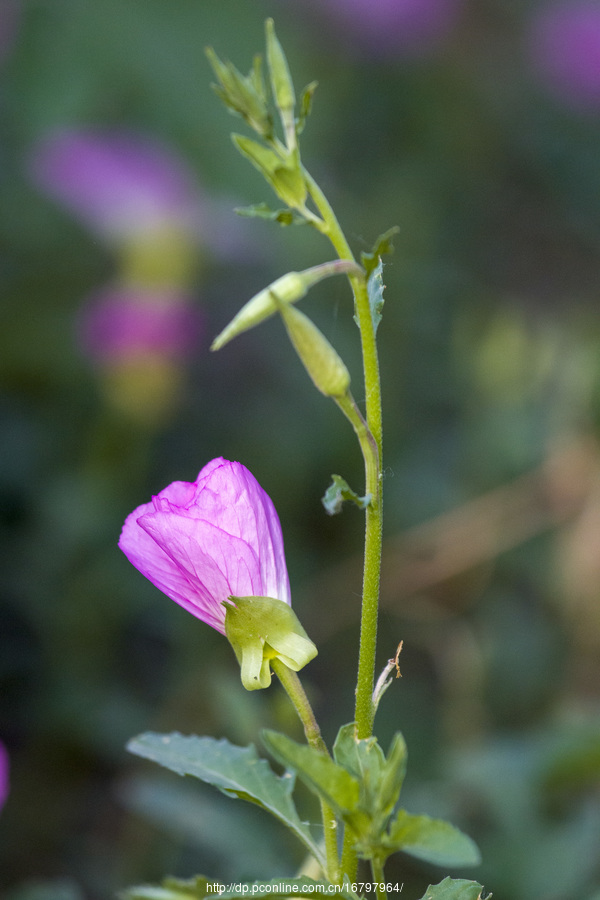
(337, 492)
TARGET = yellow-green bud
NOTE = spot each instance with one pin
(287, 289)
(322, 362)
(261, 629)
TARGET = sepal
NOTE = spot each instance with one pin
(261, 629)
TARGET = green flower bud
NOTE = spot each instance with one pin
(287, 289)
(321, 361)
(261, 629)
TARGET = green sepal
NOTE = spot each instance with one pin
(455, 889)
(236, 771)
(382, 246)
(337, 492)
(244, 96)
(283, 174)
(432, 840)
(325, 366)
(263, 211)
(261, 629)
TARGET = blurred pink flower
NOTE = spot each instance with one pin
(119, 184)
(564, 47)
(203, 542)
(120, 324)
(395, 26)
(4, 766)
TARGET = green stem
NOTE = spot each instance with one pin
(293, 688)
(364, 711)
(379, 879)
(370, 439)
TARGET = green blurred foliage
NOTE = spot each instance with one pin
(490, 360)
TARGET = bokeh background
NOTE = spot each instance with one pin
(474, 127)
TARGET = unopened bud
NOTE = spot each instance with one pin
(286, 290)
(322, 362)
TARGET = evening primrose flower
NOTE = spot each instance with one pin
(215, 546)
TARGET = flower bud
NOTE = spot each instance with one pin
(324, 365)
(261, 629)
(287, 289)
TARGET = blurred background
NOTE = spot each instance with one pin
(474, 125)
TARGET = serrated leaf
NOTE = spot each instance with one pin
(172, 889)
(383, 245)
(432, 840)
(337, 492)
(236, 771)
(319, 773)
(375, 287)
(455, 889)
(263, 211)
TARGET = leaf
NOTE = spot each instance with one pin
(262, 211)
(173, 889)
(455, 889)
(375, 287)
(337, 492)
(383, 245)
(432, 840)
(319, 773)
(236, 771)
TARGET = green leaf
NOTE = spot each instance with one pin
(173, 889)
(432, 840)
(455, 889)
(337, 492)
(263, 211)
(383, 245)
(320, 773)
(375, 287)
(236, 771)
(281, 83)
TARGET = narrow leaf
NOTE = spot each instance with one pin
(432, 840)
(337, 492)
(236, 771)
(263, 211)
(455, 889)
(324, 777)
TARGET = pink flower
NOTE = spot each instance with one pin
(204, 542)
(396, 26)
(118, 183)
(4, 765)
(564, 45)
(122, 323)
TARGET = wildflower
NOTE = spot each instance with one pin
(564, 47)
(119, 184)
(386, 27)
(215, 547)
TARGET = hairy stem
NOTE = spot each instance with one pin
(293, 688)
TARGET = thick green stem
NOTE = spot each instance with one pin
(293, 688)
